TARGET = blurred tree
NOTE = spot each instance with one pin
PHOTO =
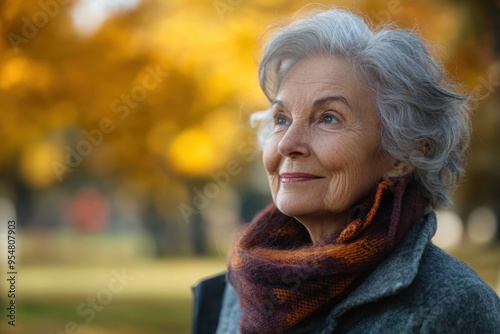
(157, 97)
(482, 30)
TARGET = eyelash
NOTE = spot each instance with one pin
(279, 116)
(327, 114)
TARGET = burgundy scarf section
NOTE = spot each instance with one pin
(281, 277)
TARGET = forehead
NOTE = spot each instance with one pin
(317, 77)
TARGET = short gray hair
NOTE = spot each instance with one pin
(424, 120)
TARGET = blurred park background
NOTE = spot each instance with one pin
(127, 162)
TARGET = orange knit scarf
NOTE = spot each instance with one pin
(281, 278)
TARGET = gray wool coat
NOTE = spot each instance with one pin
(417, 289)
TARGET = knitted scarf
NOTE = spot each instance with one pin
(281, 277)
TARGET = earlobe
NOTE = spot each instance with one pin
(399, 169)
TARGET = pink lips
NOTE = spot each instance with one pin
(297, 177)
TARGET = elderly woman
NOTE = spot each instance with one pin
(363, 139)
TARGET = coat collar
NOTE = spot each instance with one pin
(395, 273)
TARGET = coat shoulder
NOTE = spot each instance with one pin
(452, 295)
(445, 296)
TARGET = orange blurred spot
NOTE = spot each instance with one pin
(194, 152)
(14, 72)
(36, 164)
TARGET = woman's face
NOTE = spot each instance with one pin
(324, 153)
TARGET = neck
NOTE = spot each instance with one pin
(321, 226)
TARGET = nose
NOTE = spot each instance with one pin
(295, 142)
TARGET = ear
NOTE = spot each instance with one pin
(399, 168)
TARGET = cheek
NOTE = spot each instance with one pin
(335, 154)
(271, 156)
(350, 159)
(271, 159)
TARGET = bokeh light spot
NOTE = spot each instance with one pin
(36, 164)
(193, 152)
(449, 230)
(13, 72)
(482, 226)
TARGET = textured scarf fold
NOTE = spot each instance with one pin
(281, 277)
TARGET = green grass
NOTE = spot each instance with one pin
(132, 316)
(157, 300)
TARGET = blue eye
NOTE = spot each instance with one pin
(329, 119)
(280, 120)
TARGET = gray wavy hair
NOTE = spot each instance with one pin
(424, 120)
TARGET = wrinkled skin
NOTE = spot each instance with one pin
(324, 153)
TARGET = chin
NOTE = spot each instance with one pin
(294, 208)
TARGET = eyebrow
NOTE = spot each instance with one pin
(278, 103)
(318, 102)
(327, 99)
